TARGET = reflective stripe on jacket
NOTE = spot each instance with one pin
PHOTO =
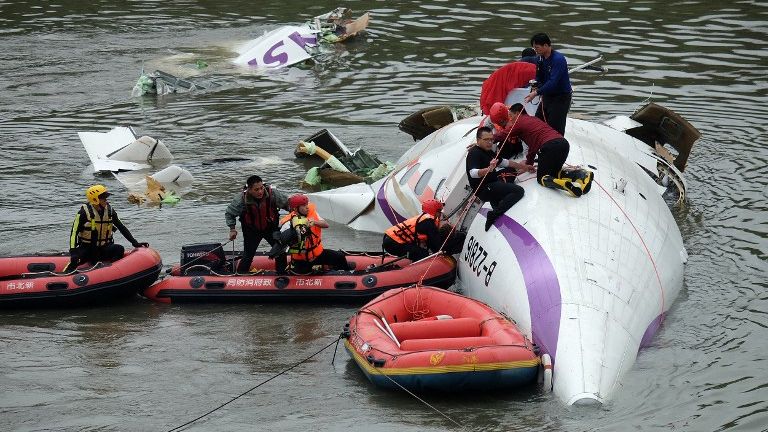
(97, 228)
(405, 232)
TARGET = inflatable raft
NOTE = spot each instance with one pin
(373, 274)
(428, 339)
(35, 281)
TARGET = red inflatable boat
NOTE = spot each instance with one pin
(374, 273)
(429, 339)
(34, 281)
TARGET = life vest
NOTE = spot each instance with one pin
(405, 232)
(309, 244)
(98, 228)
(262, 214)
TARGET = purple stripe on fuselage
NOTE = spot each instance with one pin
(392, 216)
(653, 327)
(540, 282)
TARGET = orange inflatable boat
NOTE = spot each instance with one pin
(429, 339)
(373, 274)
(34, 281)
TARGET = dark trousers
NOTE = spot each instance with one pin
(552, 156)
(554, 110)
(332, 258)
(94, 254)
(413, 251)
(502, 196)
(251, 240)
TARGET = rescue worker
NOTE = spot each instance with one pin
(416, 236)
(301, 231)
(552, 150)
(482, 167)
(552, 83)
(91, 237)
(257, 206)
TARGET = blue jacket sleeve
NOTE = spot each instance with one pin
(558, 77)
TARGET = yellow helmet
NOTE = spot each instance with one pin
(94, 192)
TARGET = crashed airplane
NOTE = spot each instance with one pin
(588, 279)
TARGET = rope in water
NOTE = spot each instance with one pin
(180, 427)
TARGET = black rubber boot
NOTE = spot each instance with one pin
(490, 219)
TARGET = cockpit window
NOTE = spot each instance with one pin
(439, 185)
(423, 182)
(404, 179)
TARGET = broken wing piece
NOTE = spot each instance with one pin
(120, 150)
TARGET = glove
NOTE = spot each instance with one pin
(137, 244)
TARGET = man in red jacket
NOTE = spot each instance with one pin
(551, 148)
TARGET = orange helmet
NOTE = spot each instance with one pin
(297, 200)
(431, 206)
(499, 113)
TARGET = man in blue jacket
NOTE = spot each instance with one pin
(552, 83)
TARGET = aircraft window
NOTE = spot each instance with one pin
(423, 181)
(408, 174)
(439, 185)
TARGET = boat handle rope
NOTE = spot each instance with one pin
(180, 427)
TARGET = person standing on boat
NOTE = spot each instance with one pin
(417, 236)
(552, 83)
(552, 151)
(258, 207)
(91, 237)
(482, 167)
(301, 230)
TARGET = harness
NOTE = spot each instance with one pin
(98, 227)
(262, 214)
(405, 232)
(308, 245)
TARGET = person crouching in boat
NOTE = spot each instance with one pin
(258, 207)
(416, 236)
(302, 231)
(91, 237)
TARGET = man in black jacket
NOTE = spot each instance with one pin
(257, 207)
(482, 172)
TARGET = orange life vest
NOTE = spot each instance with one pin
(309, 244)
(405, 231)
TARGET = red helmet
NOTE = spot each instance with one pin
(297, 200)
(499, 113)
(431, 206)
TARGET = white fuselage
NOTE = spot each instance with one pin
(589, 279)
